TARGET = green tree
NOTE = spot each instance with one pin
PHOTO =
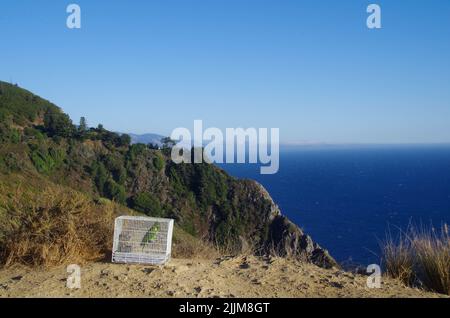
(82, 130)
(115, 165)
(158, 162)
(124, 140)
(58, 124)
(135, 151)
(83, 125)
(100, 175)
(115, 191)
(147, 203)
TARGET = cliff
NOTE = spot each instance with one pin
(39, 141)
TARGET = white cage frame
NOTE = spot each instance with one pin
(142, 240)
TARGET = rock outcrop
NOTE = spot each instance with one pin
(287, 239)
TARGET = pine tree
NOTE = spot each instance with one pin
(83, 125)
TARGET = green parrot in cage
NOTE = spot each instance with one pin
(151, 235)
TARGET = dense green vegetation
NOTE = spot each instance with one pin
(203, 199)
(38, 139)
(21, 107)
(147, 203)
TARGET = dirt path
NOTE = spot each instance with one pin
(232, 277)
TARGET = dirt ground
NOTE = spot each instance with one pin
(225, 277)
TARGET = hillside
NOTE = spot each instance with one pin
(154, 139)
(40, 144)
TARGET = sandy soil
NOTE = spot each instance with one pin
(225, 277)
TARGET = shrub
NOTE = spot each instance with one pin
(398, 259)
(115, 191)
(11, 162)
(53, 227)
(136, 150)
(100, 176)
(8, 134)
(188, 246)
(420, 257)
(432, 252)
(47, 161)
(33, 133)
(158, 162)
(14, 136)
(42, 162)
(147, 203)
(115, 165)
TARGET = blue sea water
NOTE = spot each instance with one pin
(347, 197)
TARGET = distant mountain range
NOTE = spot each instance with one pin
(146, 139)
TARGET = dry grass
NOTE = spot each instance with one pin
(433, 254)
(53, 227)
(398, 259)
(186, 246)
(58, 226)
(420, 257)
(43, 224)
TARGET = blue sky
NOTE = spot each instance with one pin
(310, 68)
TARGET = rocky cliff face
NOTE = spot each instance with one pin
(240, 214)
(287, 239)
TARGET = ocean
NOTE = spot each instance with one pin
(348, 197)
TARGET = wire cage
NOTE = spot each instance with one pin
(142, 240)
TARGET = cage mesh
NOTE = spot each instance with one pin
(142, 240)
